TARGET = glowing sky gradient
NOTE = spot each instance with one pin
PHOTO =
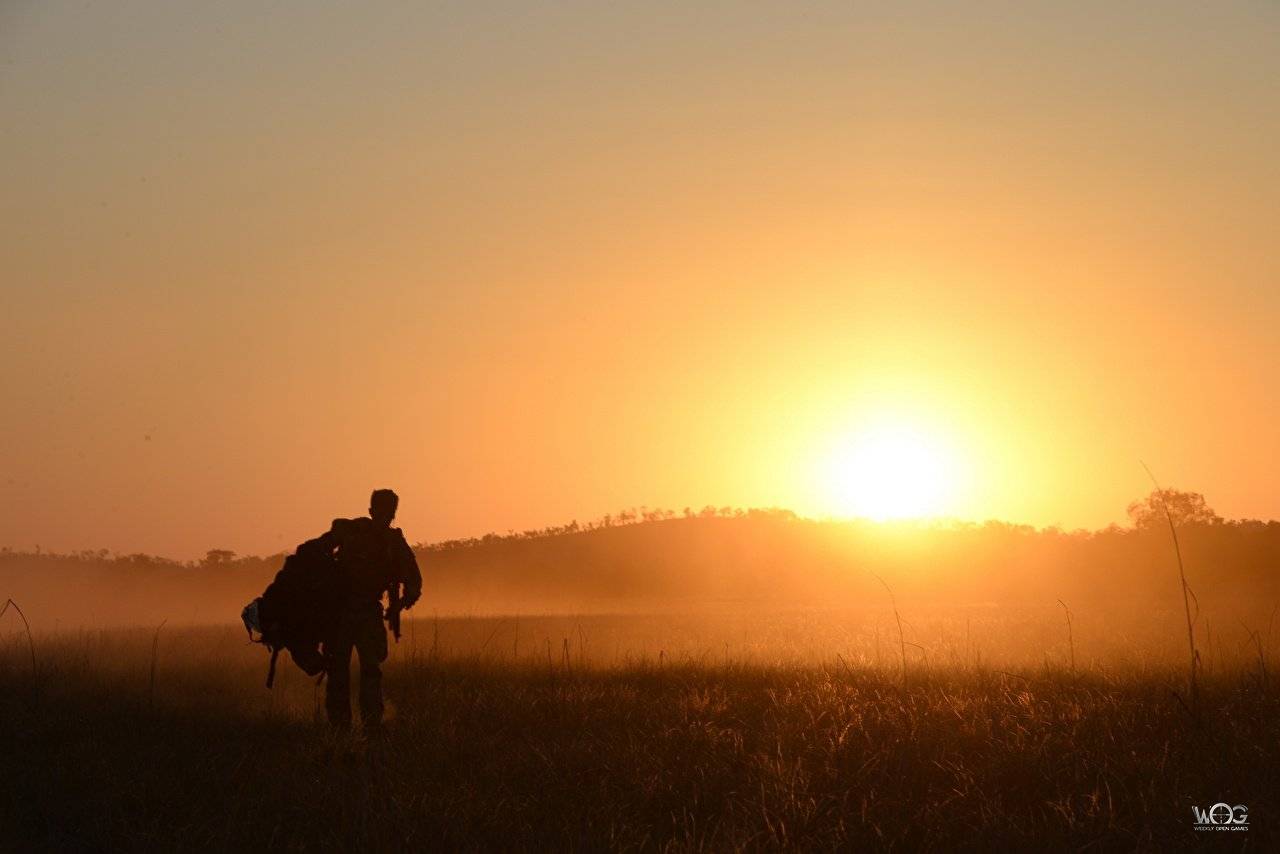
(532, 262)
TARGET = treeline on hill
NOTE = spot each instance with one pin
(646, 559)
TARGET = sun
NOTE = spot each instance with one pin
(890, 472)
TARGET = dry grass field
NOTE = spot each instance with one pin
(677, 732)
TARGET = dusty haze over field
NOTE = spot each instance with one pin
(532, 264)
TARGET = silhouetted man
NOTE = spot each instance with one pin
(372, 558)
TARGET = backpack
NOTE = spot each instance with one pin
(297, 609)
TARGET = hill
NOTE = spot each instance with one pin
(661, 562)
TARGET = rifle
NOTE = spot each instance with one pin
(394, 607)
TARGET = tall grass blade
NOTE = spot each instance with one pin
(31, 643)
(902, 643)
(1187, 595)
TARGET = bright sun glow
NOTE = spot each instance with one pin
(892, 472)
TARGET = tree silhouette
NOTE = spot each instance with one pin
(1184, 508)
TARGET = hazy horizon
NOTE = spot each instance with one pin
(616, 519)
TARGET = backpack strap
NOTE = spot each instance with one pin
(271, 671)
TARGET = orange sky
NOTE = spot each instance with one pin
(530, 265)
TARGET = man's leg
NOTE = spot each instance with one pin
(371, 644)
(337, 690)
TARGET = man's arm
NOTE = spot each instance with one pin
(410, 575)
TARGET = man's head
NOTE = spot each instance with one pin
(382, 506)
